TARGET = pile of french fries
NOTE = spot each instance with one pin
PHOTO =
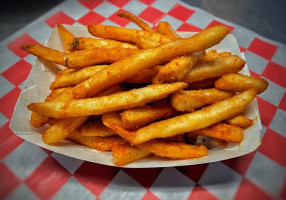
(145, 92)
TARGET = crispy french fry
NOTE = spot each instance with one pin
(84, 58)
(135, 118)
(175, 150)
(146, 43)
(177, 69)
(95, 128)
(111, 90)
(193, 99)
(124, 154)
(145, 76)
(81, 43)
(136, 21)
(204, 84)
(215, 68)
(222, 131)
(193, 121)
(101, 105)
(98, 143)
(166, 29)
(239, 83)
(46, 53)
(67, 37)
(213, 54)
(240, 121)
(125, 34)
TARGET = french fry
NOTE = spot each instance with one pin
(98, 143)
(67, 37)
(146, 43)
(240, 121)
(193, 99)
(135, 118)
(81, 43)
(46, 53)
(204, 84)
(176, 138)
(175, 150)
(213, 54)
(124, 154)
(222, 131)
(215, 68)
(95, 128)
(177, 69)
(166, 29)
(220, 143)
(101, 105)
(240, 83)
(136, 21)
(145, 76)
(193, 121)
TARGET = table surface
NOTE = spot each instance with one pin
(30, 172)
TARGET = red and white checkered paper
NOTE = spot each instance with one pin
(30, 172)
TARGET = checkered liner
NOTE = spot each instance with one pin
(30, 172)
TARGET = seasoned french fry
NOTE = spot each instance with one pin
(100, 105)
(222, 131)
(98, 143)
(145, 76)
(136, 21)
(81, 43)
(213, 54)
(204, 84)
(95, 128)
(177, 69)
(46, 53)
(240, 121)
(193, 99)
(135, 118)
(239, 83)
(67, 37)
(166, 29)
(124, 154)
(146, 43)
(215, 68)
(193, 121)
(175, 150)
(111, 90)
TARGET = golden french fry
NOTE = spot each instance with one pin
(98, 143)
(193, 121)
(81, 43)
(240, 121)
(222, 131)
(135, 118)
(213, 54)
(46, 53)
(111, 90)
(176, 138)
(166, 29)
(67, 37)
(146, 43)
(175, 150)
(124, 154)
(145, 76)
(193, 99)
(239, 83)
(101, 105)
(215, 68)
(95, 128)
(177, 69)
(136, 21)
(204, 84)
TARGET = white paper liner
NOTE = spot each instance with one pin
(37, 88)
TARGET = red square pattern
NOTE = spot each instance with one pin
(283, 102)
(194, 172)
(91, 4)
(8, 140)
(15, 45)
(240, 164)
(8, 181)
(272, 146)
(91, 18)
(59, 17)
(189, 27)
(248, 190)
(147, 2)
(47, 178)
(119, 3)
(180, 12)
(275, 73)
(119, 20)
(199, 193)
(18, 73)
(267, 111)
(8, 102)
(149, 196)
(140, 175)
(215, 23)
(95, 177)
(283, 193)
(262, 48)
(152, 15)
(242, 49)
